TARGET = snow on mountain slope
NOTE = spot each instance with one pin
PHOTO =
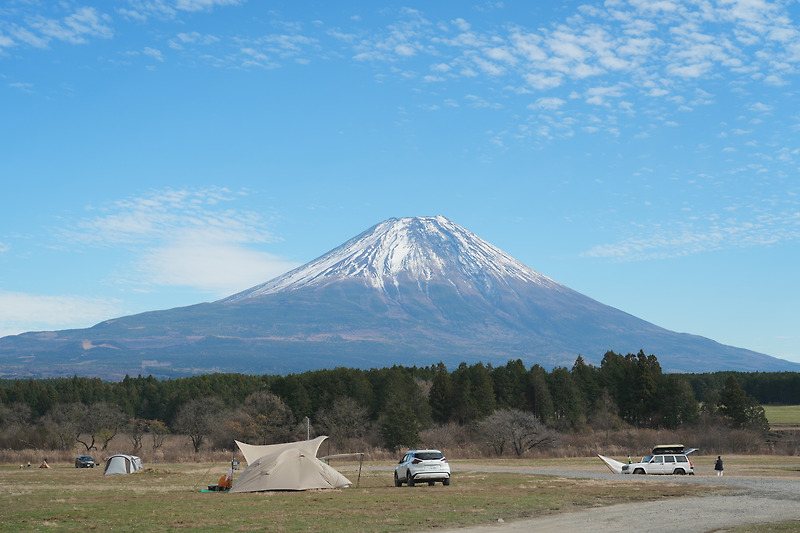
(402, 250)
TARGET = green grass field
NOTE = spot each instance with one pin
(783, 415)
(169, 497)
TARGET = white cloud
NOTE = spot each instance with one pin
(28, 37)
(20, 312)
(480, 103)
(703, 235)
(600, 95)
(565, 45)
(694, 70)
(501, 54)
(155, 54)
(528, 46)
(761, 108)
(550, 103)
(461, 24)
(542, 81)
(6, 42)
(85, 22)
(488, 67)
(405, 50)
(211, 265)
(204, 5)
(188, 237)
(183, 39)
(141, 10)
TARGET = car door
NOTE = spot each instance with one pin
(402, 470)
(669, 464)
(656, 465)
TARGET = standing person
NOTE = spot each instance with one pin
(718, 465)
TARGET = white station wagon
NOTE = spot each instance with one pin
(665, 459)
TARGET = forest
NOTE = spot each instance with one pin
(510, 408)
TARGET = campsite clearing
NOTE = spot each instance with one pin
(168, 497)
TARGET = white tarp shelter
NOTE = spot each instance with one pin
(288, 466)
(122, 464)
(612, 464)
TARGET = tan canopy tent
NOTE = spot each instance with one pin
(288, 466)
(252, 452)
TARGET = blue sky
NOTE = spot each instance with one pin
(160, 153)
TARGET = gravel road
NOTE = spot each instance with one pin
(753, 500)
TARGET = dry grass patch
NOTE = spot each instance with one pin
(788, 526)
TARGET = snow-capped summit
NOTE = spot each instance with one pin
(420, 250)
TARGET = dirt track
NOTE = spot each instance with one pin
(753, 500)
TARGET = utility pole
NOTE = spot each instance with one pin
(308, 428)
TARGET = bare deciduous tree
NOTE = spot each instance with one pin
(65, 421)
(518, 429)
(198, 418)
(159, 431)
(103, 421)
(137, 427)
(344, 419)
(266, 419)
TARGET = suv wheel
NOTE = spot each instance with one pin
(639, 471)
(679, 472)
(410, 480)
(446, 481)
(397, 482)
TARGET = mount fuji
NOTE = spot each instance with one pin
(408, 291)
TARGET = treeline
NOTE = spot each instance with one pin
(769, 388)
(397, 403)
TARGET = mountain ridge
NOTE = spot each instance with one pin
(410, 291)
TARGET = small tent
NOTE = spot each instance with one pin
(288, 466)
(122, 464)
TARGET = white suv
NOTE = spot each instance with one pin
(666, 459)
(422, 465)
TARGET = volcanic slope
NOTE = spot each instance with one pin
(410, 291)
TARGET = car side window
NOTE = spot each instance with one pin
(658, 459)
(669, 459)
(681, 458)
